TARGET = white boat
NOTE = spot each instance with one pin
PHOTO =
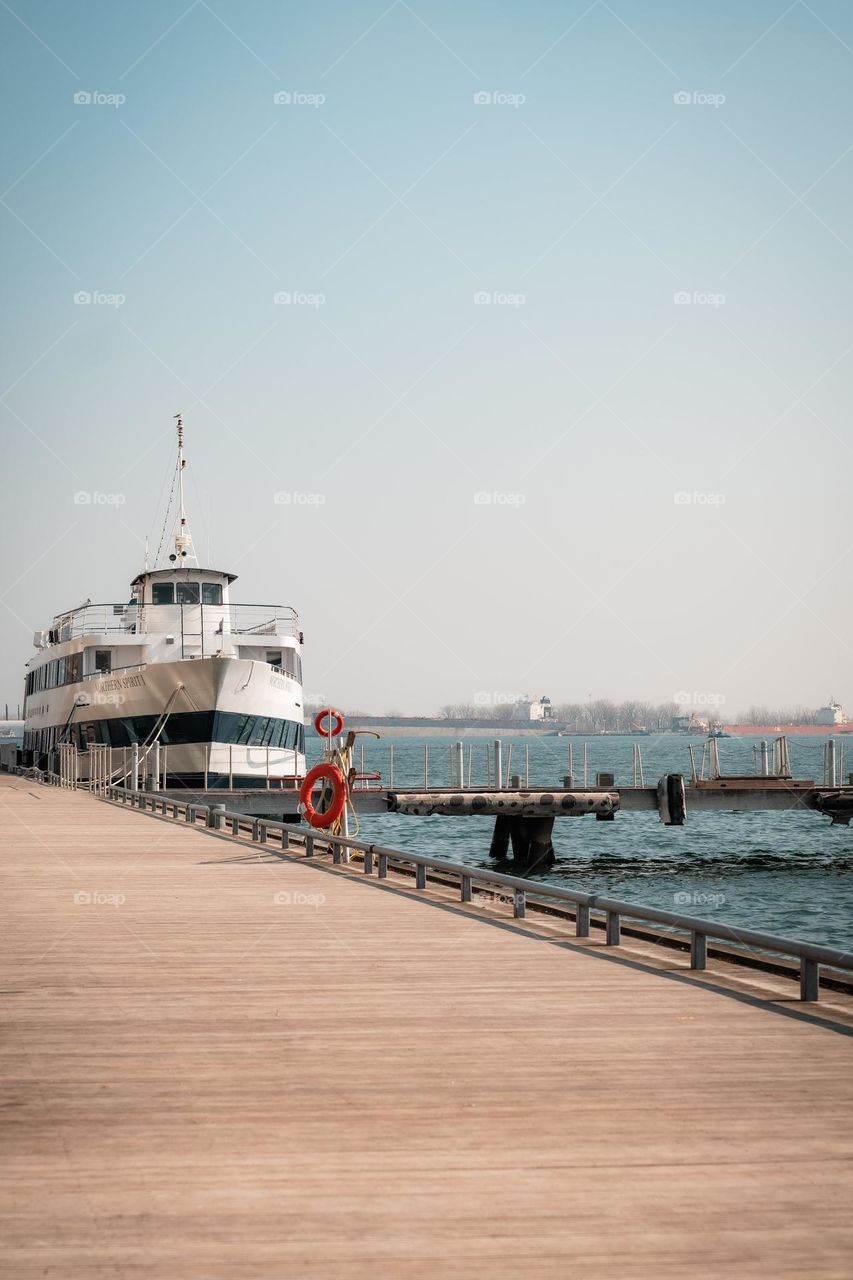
(179, 675)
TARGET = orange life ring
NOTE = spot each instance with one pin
(330, 773)
(336, 726)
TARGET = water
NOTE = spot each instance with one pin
(786, 873)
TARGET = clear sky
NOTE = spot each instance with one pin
(652, 198)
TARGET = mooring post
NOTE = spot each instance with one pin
(499, 847)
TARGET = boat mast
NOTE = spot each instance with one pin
(183, 538)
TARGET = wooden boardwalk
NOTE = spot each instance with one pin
(202, 1080)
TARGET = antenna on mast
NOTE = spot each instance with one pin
(183, 538)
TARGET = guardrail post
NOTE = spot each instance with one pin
(519, 904)
(368, 862)
(612, 929)
(214, 816)
(383, 866)
(582, 921)
(189, 813)
(698, 950)
(309, 846)
(285, 839)
(336, 852)
(809, 979)
(262, 833)
(235, 826)
(420, 876)
(465, 892)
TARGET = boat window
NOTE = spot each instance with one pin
(274, 657)
(72, 668)
(103, 661)
(163, 592)
(211, 593)
(186, 592)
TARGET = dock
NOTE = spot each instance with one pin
(226, 1059)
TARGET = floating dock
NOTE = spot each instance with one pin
(222, 1059)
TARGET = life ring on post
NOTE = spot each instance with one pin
(336, 723)
(323, 773)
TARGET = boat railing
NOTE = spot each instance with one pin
(188, 618)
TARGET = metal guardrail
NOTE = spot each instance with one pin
(810, 955)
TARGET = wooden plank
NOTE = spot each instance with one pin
(226, 1062)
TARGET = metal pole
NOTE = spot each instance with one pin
(470, 762)
(426, 766)
(156, 770)
(391, 764)
(230, 767)
(765, 760)
(508, 764)
(460, 765)
(527, 765)
(134, 767)
(206, 762)
(268, 768)
(498, 766)
(165, 768)
(692, 761)
(585, 765)
(830, 763)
